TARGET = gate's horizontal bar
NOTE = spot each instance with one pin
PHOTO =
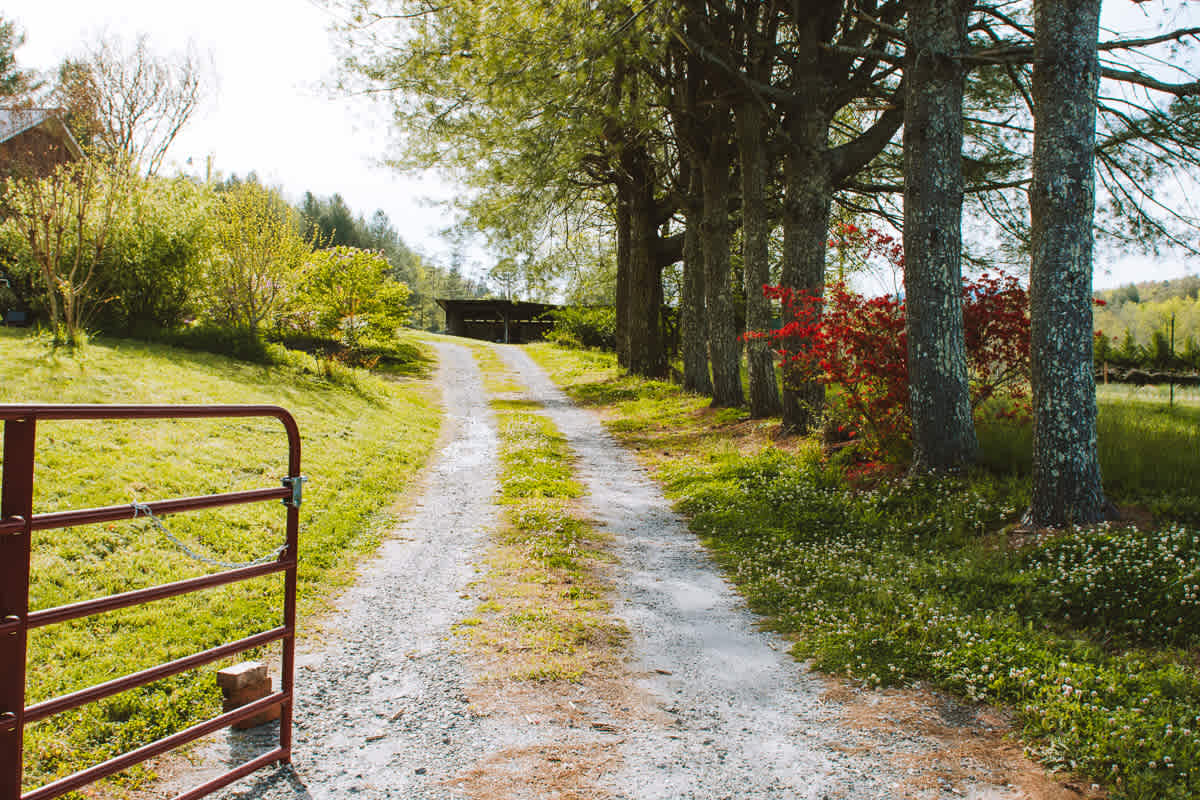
(93, 516)
(13, 412)
(48, 708)
(87, 608)
(96, 411)
(127, 760)
(11, 526)
(278, 754)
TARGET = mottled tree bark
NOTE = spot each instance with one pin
(939, 395)
(760, 361)
(1066, 467)
(693, 322)
(808, 196)
(723, 348)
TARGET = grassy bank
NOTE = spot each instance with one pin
(363, 439)
(1089, 637)
(545, 614)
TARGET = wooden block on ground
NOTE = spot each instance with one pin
(248, 673)
(244, 683)
(270, 714)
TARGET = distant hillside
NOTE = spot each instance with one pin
(1187, 287)
(1137, 314)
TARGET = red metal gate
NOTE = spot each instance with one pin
(17, 523)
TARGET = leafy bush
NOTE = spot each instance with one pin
(66, 217)
(239, 343)
(348, 296)
(254, 266)
(149, 269)
(349, 293)
(584, 327)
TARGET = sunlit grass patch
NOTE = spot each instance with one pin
(536, 459)
(1149, 453)
(545, 613)
(362, 442)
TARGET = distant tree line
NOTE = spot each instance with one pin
(1134, 326)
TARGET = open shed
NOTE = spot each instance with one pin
(510, 321)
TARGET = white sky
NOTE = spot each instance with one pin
(269, 112)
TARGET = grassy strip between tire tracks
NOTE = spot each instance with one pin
(1090, 637)
(362, 444)
(544, 614)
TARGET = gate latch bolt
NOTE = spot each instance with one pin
(296, 484)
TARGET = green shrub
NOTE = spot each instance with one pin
(239, 343)
(582, 327)
(153, 256)
(347, 294)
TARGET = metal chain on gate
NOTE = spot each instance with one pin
(141, 509)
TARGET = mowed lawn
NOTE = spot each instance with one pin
(362, 443)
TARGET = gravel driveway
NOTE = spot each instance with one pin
(708, 705)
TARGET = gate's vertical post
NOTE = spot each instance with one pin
(288, 671)
(288, 677)
(16, 500)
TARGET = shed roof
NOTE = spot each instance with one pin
(15, 121)
(511, 309)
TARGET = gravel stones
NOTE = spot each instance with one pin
(705, 705)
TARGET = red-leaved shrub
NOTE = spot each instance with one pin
(860, 345)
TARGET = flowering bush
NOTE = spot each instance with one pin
(866, 251)
(861, 345)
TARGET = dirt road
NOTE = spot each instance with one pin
(703, 704)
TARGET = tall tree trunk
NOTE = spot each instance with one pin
(693, 319)
(760, 361)
(808, 196)
(647, 352)
(622, 299)
(1066, 467)
(723, 348)
(939, 394)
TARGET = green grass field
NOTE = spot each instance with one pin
(1149, 451)
(1089, 637)
(362, 439)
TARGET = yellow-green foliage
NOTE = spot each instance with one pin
(256, 259)
(361, 446)
(1148, 315)
(349, 294)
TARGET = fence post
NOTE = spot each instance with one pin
(16, 500)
